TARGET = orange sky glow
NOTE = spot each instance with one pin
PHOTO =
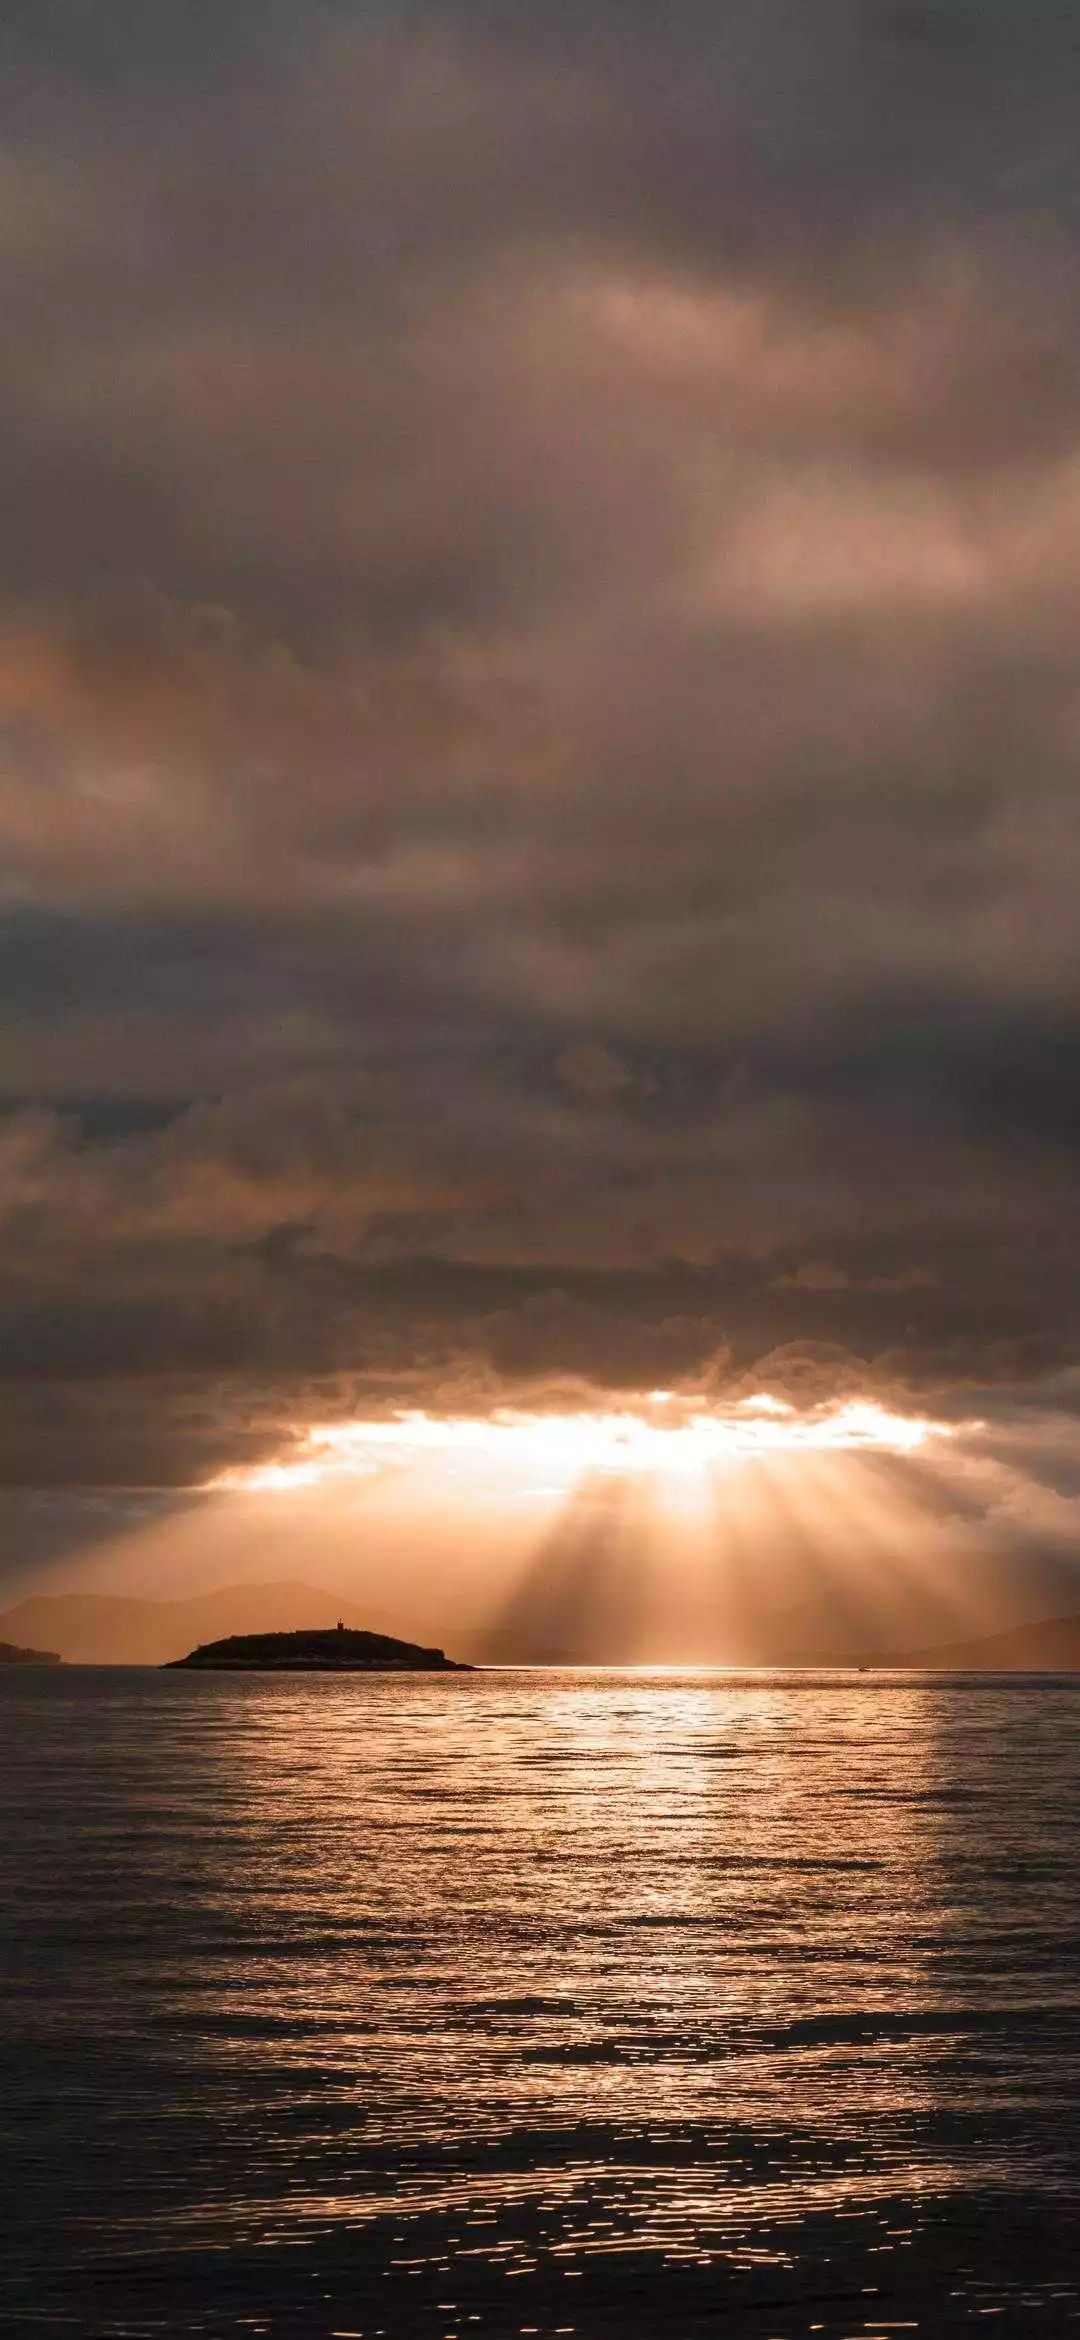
(660, 1434)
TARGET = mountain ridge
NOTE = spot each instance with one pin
(95, 1628)
(1049, 1645)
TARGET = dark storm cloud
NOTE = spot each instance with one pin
(538, 710)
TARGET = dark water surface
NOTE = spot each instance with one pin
(537, 2003)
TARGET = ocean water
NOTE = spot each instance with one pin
(533, 2003)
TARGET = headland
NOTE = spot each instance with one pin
(338, 1651)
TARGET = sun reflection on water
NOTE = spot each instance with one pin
(603, 1979)
(608, 1996)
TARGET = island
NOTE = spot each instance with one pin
(338, 1651)
(12, 1655)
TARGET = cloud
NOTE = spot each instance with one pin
(538, 716)
(592, 1072)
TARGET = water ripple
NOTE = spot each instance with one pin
(534, 2004)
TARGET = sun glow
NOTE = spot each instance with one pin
(660, 1435)
(660, 1529)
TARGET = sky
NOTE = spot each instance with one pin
(539, 732)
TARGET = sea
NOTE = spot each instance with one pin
(536, 2003)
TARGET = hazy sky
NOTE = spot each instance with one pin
(540, 712)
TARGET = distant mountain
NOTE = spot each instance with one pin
(115, 1629)
(1052, 1646)
(336, 1652)
(12, 1655)
(110, 1629)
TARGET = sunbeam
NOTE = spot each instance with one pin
(660, 1531)
(663, 1529)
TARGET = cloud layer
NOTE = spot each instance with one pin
(538, 710)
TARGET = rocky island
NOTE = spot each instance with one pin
(339, 1651)
(12, 1655)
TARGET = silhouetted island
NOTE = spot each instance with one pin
(12, 1655)
(339, 1651)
